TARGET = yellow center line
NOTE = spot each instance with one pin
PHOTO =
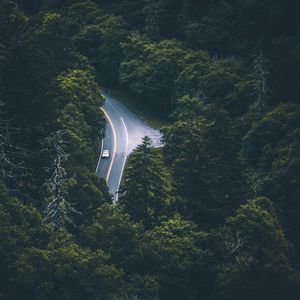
(115, 142)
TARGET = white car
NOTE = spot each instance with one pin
(105, 154)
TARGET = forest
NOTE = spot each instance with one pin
(214, 214)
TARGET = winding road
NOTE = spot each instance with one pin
(124, 131)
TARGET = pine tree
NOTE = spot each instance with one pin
(144, 193)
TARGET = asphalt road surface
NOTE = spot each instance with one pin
(124, 131)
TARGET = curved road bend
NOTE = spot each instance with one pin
(124, 131)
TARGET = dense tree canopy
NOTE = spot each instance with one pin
(225, 76)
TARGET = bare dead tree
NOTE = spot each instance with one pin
(259, 78)
(8, 152)
(237, 244)
(58, 209)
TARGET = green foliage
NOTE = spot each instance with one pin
(165, 71)
(144, 190)
(175, 252)
(271, 151)
(66, 271)
(20, 227)
(97, 35)
(143, 287)
(163, 18)
(259, 264)
(78, 102)
(204, 145)
(78, 88)
(115, 233)
(227, 74)
(150, 69)
(219, 81)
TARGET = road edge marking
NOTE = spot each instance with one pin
(98, 164)
(115, 142)
(126, 131)
(124, 162)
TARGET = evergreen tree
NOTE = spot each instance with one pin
(203, 156)
(175, 252)
(259, 256)
(143, 192)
